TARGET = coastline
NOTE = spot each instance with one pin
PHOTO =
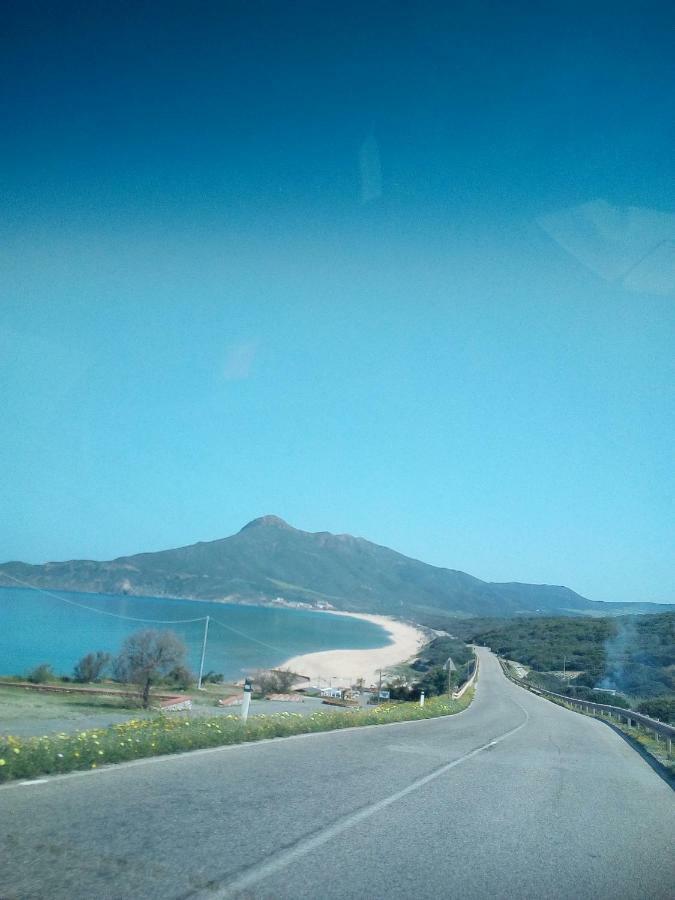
(344, 667)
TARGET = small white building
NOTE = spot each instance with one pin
(332, 692)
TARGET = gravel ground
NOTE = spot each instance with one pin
(27, 714)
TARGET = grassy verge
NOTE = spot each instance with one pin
(657, 749)
(32, 757)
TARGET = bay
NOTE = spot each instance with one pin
(53, 627)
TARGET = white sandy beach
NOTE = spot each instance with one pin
(344, 667)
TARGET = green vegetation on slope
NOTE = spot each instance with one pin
(429, 671)
(633, 654)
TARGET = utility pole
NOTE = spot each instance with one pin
(201, 664)
(564, 667)
(379, 690)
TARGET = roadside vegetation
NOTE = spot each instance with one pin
(148, 659)
(163, 734)
(584, 657)
(430, 673)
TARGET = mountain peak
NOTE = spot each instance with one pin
(267, 522)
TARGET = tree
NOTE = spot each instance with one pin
(273, 681)
(146, 657)
(435, 681)
(91, 667)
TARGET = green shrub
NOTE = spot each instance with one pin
(91, 667)
(41, 674)
(662, 708)
(180, 678)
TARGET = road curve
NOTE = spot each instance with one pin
(515, 797)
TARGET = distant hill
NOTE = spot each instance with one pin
(268, 558)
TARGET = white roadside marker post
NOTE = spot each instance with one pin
(422, 699)
(246, 702)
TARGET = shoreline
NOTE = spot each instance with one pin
(343, 667)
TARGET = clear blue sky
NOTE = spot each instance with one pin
(399, 270)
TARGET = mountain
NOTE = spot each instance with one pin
(269, 558)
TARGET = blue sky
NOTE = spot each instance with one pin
(401, 272)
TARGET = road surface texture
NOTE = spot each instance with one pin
(513, 798)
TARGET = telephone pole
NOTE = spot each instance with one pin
(201, 664)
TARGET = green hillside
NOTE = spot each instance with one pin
(632, 654)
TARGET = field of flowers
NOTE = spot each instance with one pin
(32, 757)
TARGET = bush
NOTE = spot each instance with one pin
(91, 667)
(398, 688)
(435, 681)
(599, 697)
(180, 678)
(213, 678)
(274, 681)
(662, 708)
(41, 674)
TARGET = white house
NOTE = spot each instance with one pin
(332, 692)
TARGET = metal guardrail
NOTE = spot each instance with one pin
(659, 729)
(470, 680)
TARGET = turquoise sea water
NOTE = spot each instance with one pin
(37, 627)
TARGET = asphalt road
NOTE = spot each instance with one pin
(513, 798)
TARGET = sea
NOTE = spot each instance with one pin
(59, 627)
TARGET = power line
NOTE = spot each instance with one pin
(103, 612)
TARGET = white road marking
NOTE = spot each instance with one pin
(258, 873)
